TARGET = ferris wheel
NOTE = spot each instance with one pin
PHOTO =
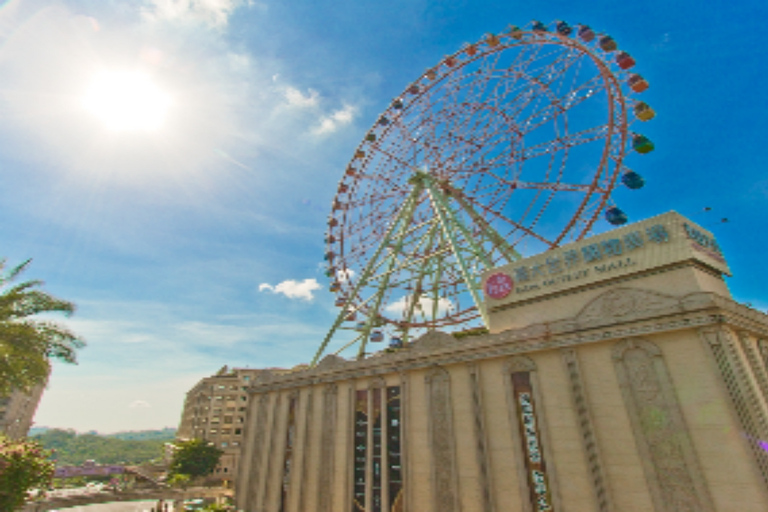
(509, 147)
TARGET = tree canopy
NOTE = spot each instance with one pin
(74, 449)
(24, 466)
(195, 458)
(27, 341)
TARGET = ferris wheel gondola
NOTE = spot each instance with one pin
(511, 145)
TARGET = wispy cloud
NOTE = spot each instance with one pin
(332, 122)
(293, 289)
(296, 98)
(139, 404)
(214, 13)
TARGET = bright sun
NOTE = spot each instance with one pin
(127, 100)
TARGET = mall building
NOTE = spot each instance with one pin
(618, 375)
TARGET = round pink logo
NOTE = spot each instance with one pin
(498, 286)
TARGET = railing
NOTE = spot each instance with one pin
(52, 502)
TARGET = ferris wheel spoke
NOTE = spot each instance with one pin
(543, 80)
(555, 103)
(496, 215)
(491, 138)
(573, 99)
(576, 139)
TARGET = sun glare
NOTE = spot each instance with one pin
(127, 100)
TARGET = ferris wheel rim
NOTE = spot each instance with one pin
(409, 99)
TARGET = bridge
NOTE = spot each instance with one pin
(90, 468)
(104, 496)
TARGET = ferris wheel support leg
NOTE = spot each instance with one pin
(430, 238)
(355, 340)
(407, 206)
(408, 209)
(436, 288)
(442, 211)
(507, 250)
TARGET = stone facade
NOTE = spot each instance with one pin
(641, 391)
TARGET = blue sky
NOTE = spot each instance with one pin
(166, 238)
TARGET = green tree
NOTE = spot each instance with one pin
(195, 458)
(27, 342)
(24, 465)
(74, 449)
(179, 480)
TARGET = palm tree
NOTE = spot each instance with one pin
(27, 341)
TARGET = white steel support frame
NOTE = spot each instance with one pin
(446, 223)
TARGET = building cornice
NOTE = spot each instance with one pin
(617, 313)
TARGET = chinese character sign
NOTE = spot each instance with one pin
(538, 486)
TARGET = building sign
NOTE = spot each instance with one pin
(538, 484)
(601, 258)
(499, 285)
(704, 243)
(663, 240)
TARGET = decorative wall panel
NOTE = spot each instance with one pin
(587, 429)
(266, 491)
(444, 474)
(327, 448)
(306, 449)
(259, 440)
(669, 461)
(481, 445)
(756, 365)
(743, 396)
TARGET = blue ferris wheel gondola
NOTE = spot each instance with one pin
(616, 216)
(632, 180)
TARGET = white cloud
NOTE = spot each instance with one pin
(399, 307)
(297, 99)
(343, 276)
(336, 120)
(139, 404)
(215, 13)
(293, 289)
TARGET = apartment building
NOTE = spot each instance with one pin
(215, 410)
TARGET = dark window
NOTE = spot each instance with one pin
(360, 450)
(393, 448)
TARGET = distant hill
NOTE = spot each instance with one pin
(166, 434)
(74, 449)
